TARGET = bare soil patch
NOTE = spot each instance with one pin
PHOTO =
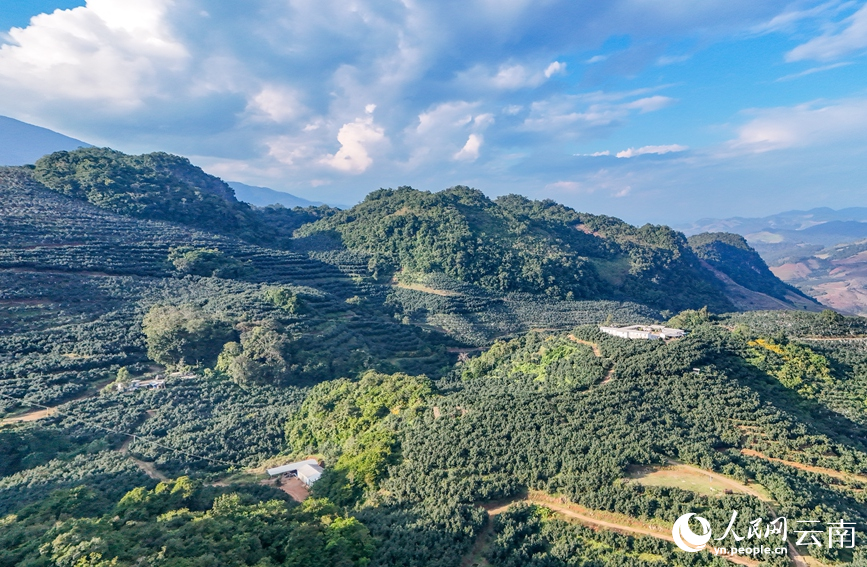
(29, 416)
(592, 518)
(427, 289)
(291, 486)
(694, 479)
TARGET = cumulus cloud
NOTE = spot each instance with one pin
(275, 103)
(116, 53)
(355, 139)
(276, 90)
(657, 150)
(849, 38)
(555, 68)
(470, 151)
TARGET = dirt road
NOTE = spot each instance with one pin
(582, 515)
(597, 352)
(809, 468)
(44, 412)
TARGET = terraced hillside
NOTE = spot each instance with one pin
(463, 415)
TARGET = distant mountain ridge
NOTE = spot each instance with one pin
(22, 143)
(788, 220)
(821, 251)
(264, 196)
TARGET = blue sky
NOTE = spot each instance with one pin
(654, 111)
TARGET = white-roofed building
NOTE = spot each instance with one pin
(644, 332)
(308, 474)
(307, 471)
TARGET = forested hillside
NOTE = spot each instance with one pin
(439, 354)
(513, 244)
(731, 254)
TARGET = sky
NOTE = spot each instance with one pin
(662, 111)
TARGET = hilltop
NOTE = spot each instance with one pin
(512, 244)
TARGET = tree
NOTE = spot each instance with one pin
(259, 358)
(285, 299)
(690, 319)
(184, 335)
(207, 262)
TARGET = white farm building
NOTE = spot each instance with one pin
(307, 471)
(644, 332)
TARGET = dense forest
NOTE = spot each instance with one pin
(438, 353)
(513, 244)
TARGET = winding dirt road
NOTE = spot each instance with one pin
(596, 352)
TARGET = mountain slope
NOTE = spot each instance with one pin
(819, 251)
(22, 143)
(731, 254)
(162, 186)
(513, 244)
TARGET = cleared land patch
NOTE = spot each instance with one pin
(677, 475)
(427, 289)
(292, 486)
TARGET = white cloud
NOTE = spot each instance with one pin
(355, 139)
(672, 59)
(813, 70)
(448, 115)
(602, 181)
(470, 151)
(511, 76)
(651, 103)
(803, 126)
(555, 68)
(577, 115)
(657, 150)
(116, 53)
(278, 104)
(568, 187)
(265, 88)
(595, 154)
(288, 150)
(515, 77)
(851, 38)
(788, 19)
